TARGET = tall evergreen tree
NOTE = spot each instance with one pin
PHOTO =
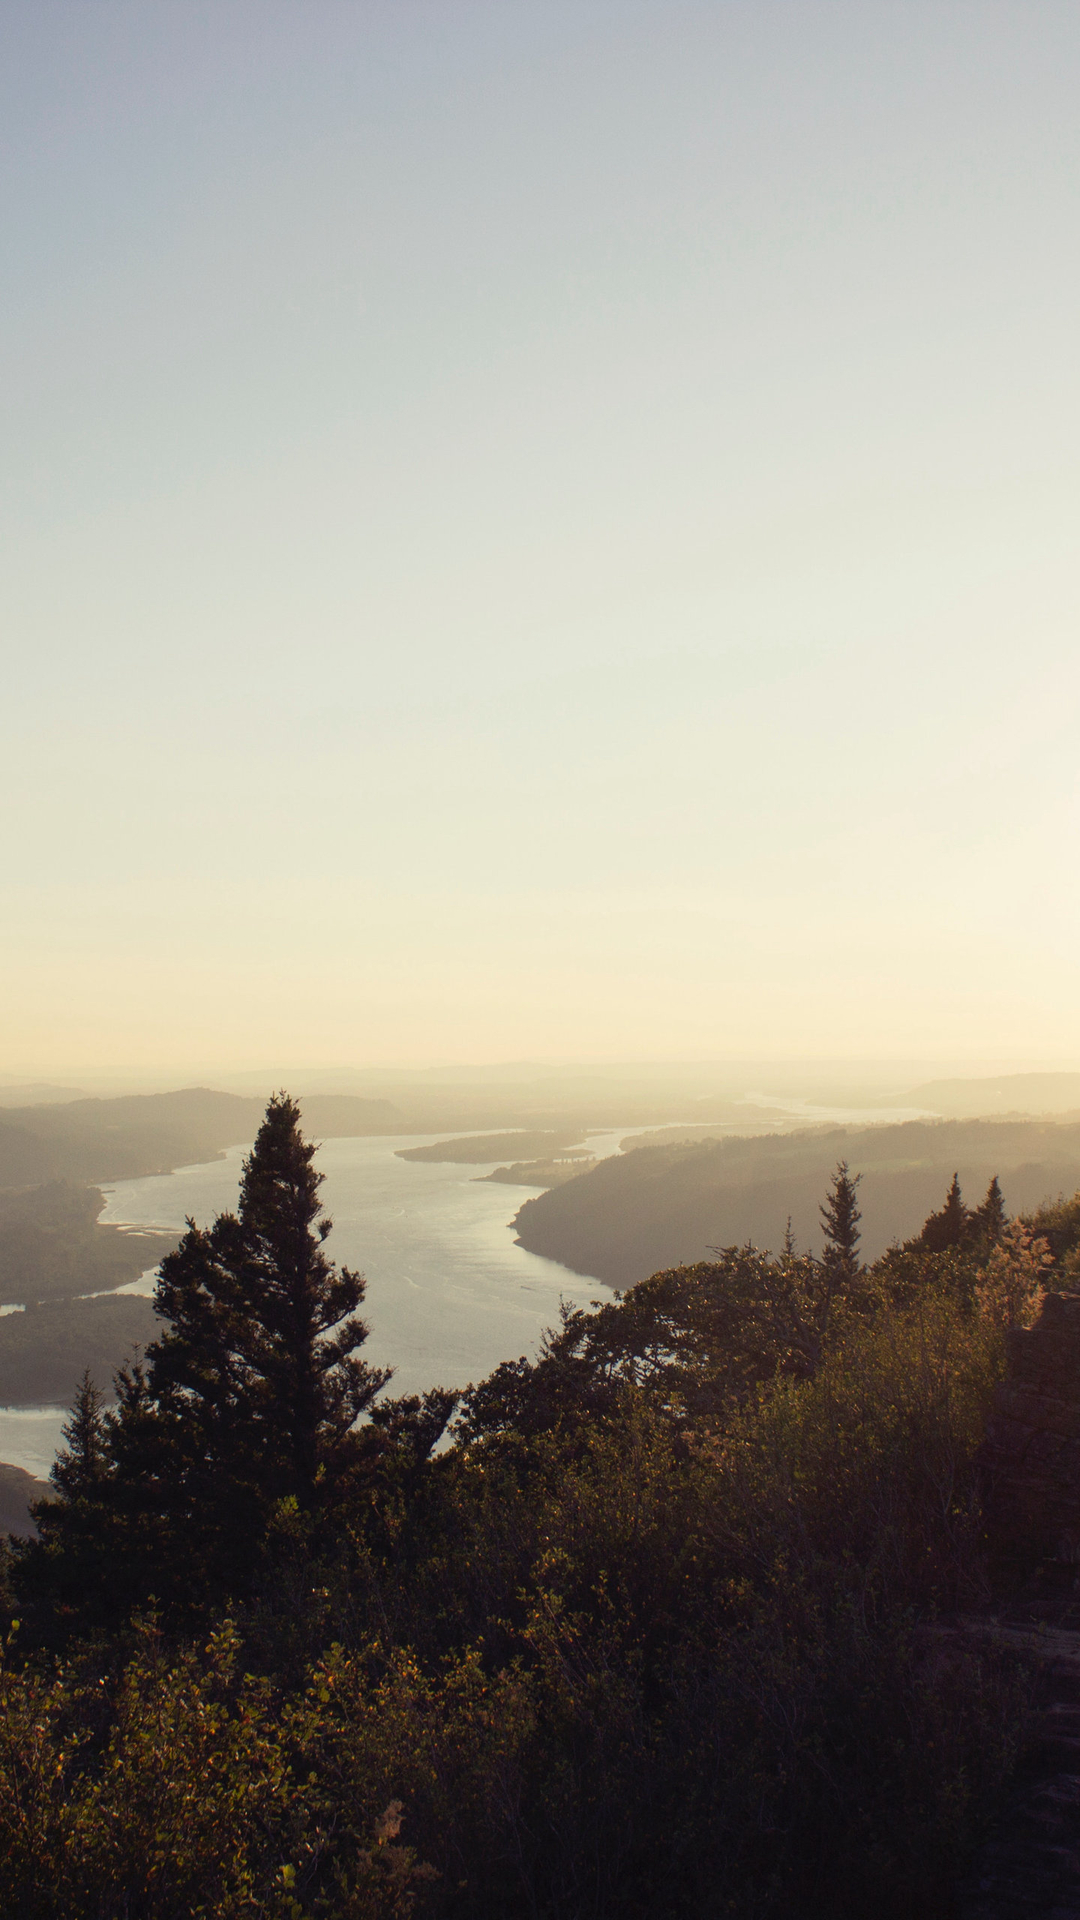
(260, 1349)
(58, 1576)
(948, 1227)
(990, 1220)
(81, 1465)
(247, 1398)
(840, 1219)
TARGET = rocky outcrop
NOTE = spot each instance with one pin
(1031, 1454)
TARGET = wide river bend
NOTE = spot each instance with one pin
(449, 1293)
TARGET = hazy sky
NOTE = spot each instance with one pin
(539, 529)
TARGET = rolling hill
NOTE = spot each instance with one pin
(655, 1207)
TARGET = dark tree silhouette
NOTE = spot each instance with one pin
(990, 1219)
(948, 1227)
(80, 1467)
(247, 1399)
(59, 1575)
(260, 1351)
(840, 1218)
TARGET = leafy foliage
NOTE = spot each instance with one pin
(1012, 1285)
(174, 1791)
(691, 1339)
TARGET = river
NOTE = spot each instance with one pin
(449, 1293)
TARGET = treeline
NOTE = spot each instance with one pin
(641, 1627)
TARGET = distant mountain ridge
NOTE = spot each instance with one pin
(1029, 1093)
(134, 1134)
(38, 1093)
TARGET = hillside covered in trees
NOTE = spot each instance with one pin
(139, 1133)
(657, 1206)
(646, 1625)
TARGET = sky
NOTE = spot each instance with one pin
(538, 530)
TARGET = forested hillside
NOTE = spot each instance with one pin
(653, 1207)
(45, 1349)
(119, 1139)
(53, 1247)
(649, 1625)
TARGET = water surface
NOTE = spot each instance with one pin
(449, 1293)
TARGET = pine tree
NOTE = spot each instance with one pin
(247, 1399)
(948, 1227)
(990, 1220)
(260, 1351)
(840, 1218)
(61, 1576)
(80, 1468)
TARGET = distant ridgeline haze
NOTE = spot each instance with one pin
(152, 1132)
(481, 1149)
(659, 1206)
(1008, 1093)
